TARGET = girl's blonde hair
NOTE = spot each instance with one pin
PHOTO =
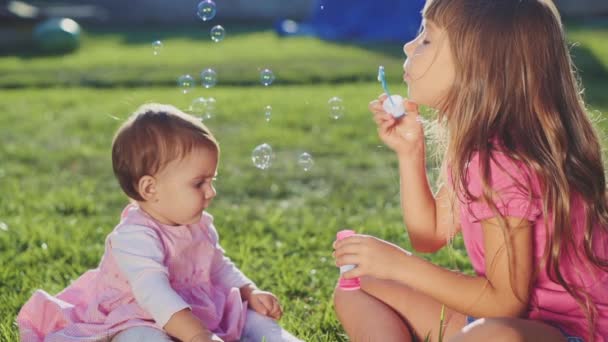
(515, 84)
(151, 138)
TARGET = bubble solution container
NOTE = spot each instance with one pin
(347, 284)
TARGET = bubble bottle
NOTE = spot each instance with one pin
(347, 284)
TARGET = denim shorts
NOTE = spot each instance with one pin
(568, 337)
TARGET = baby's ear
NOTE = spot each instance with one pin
(147, 188)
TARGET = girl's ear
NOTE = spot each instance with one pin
(147, 188)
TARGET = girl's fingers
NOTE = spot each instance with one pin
(354, 273)
(347, 259)
(381, 118)
(410, 106)
(347, 250)
(353, 239)
(382, 97)
(375, 108)
(385, 126)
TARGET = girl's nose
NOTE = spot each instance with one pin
(407, 48)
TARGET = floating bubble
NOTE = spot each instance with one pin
(267, 113)
(209, 109)
(262, 156)
(198, 106)
(209, 78)
(157, 46)
(266, 77)
(305, 161)
(217, 33)
(336, 108)
(3, 226)
(44, 246)
(206, 10)
(185, 83)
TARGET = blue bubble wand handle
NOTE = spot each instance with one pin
(382, 80)
(395, 104)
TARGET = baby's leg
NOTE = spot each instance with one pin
(142, 334)
(388, 311)
(259, 328)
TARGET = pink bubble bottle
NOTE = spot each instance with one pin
(347, 284)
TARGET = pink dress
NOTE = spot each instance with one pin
(549, 301)
(148, 272)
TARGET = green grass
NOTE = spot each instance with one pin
(113, 58)
(58, 115)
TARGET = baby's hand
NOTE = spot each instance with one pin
(265, 303)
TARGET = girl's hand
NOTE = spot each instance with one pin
(265, 303)
(373, 257)
(403, 135)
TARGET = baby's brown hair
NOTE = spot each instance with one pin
(152, 137)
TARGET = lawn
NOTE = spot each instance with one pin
(59, 198)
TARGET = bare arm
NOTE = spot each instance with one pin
(492, 295)
(430, 220)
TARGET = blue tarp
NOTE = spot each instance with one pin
(360, 20)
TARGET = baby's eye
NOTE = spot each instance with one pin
(209, 180)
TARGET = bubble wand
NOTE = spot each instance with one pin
(394, 105)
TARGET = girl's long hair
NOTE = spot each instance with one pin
(515, 83)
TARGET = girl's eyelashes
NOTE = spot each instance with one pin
(426, 42)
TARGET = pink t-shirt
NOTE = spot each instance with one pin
(549, 301)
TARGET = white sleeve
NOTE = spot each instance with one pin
(139, 254)
(223, 270)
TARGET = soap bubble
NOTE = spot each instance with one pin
(206, 10)
(262, 156)
(217, 33)
(305, 161)
(266, 77)
(3, 226)
(267, 113)
(336, 108)
(198, 106)
(209, 78)
(185, 83)
(157, 46)
(203, 107)
(209, 109)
